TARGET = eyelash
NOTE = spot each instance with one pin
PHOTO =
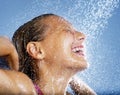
(70, 31)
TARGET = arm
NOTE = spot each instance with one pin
(8, 50)
(13, 82)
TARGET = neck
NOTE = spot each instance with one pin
(53, 80)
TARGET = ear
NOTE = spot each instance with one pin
(35, 50)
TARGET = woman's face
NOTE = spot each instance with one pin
(63, 45)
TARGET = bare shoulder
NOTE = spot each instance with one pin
(13, 82)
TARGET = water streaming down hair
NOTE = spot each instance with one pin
(33, 30)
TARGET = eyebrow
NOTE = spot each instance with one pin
(69, 30)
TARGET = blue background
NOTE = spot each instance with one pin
(100, 22)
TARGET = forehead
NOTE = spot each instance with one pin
(56, 22)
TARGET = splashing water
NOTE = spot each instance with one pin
(89, 16)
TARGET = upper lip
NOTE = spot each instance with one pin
(78, 48)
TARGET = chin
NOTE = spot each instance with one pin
(75, 61)
(81, 66)
(79, 61)
(77, 66)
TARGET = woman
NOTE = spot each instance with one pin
(50, 52)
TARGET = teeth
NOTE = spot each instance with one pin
(77, 49)
(74, 50)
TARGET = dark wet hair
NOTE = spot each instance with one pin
(33, 30)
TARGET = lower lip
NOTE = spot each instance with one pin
(80, 54)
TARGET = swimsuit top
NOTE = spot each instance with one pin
(39, 92)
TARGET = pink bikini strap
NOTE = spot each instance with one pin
(39, 92)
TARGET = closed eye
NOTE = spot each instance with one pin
(69, 31)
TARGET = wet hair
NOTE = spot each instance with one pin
(33, 30)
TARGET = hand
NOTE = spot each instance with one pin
(8, 50)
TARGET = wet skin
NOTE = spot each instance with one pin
(13, 82)
(59, 56)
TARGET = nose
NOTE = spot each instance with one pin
(79, 37)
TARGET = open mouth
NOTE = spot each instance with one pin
(78, 50)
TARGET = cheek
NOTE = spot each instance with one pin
(67, 43)
(59, 49)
